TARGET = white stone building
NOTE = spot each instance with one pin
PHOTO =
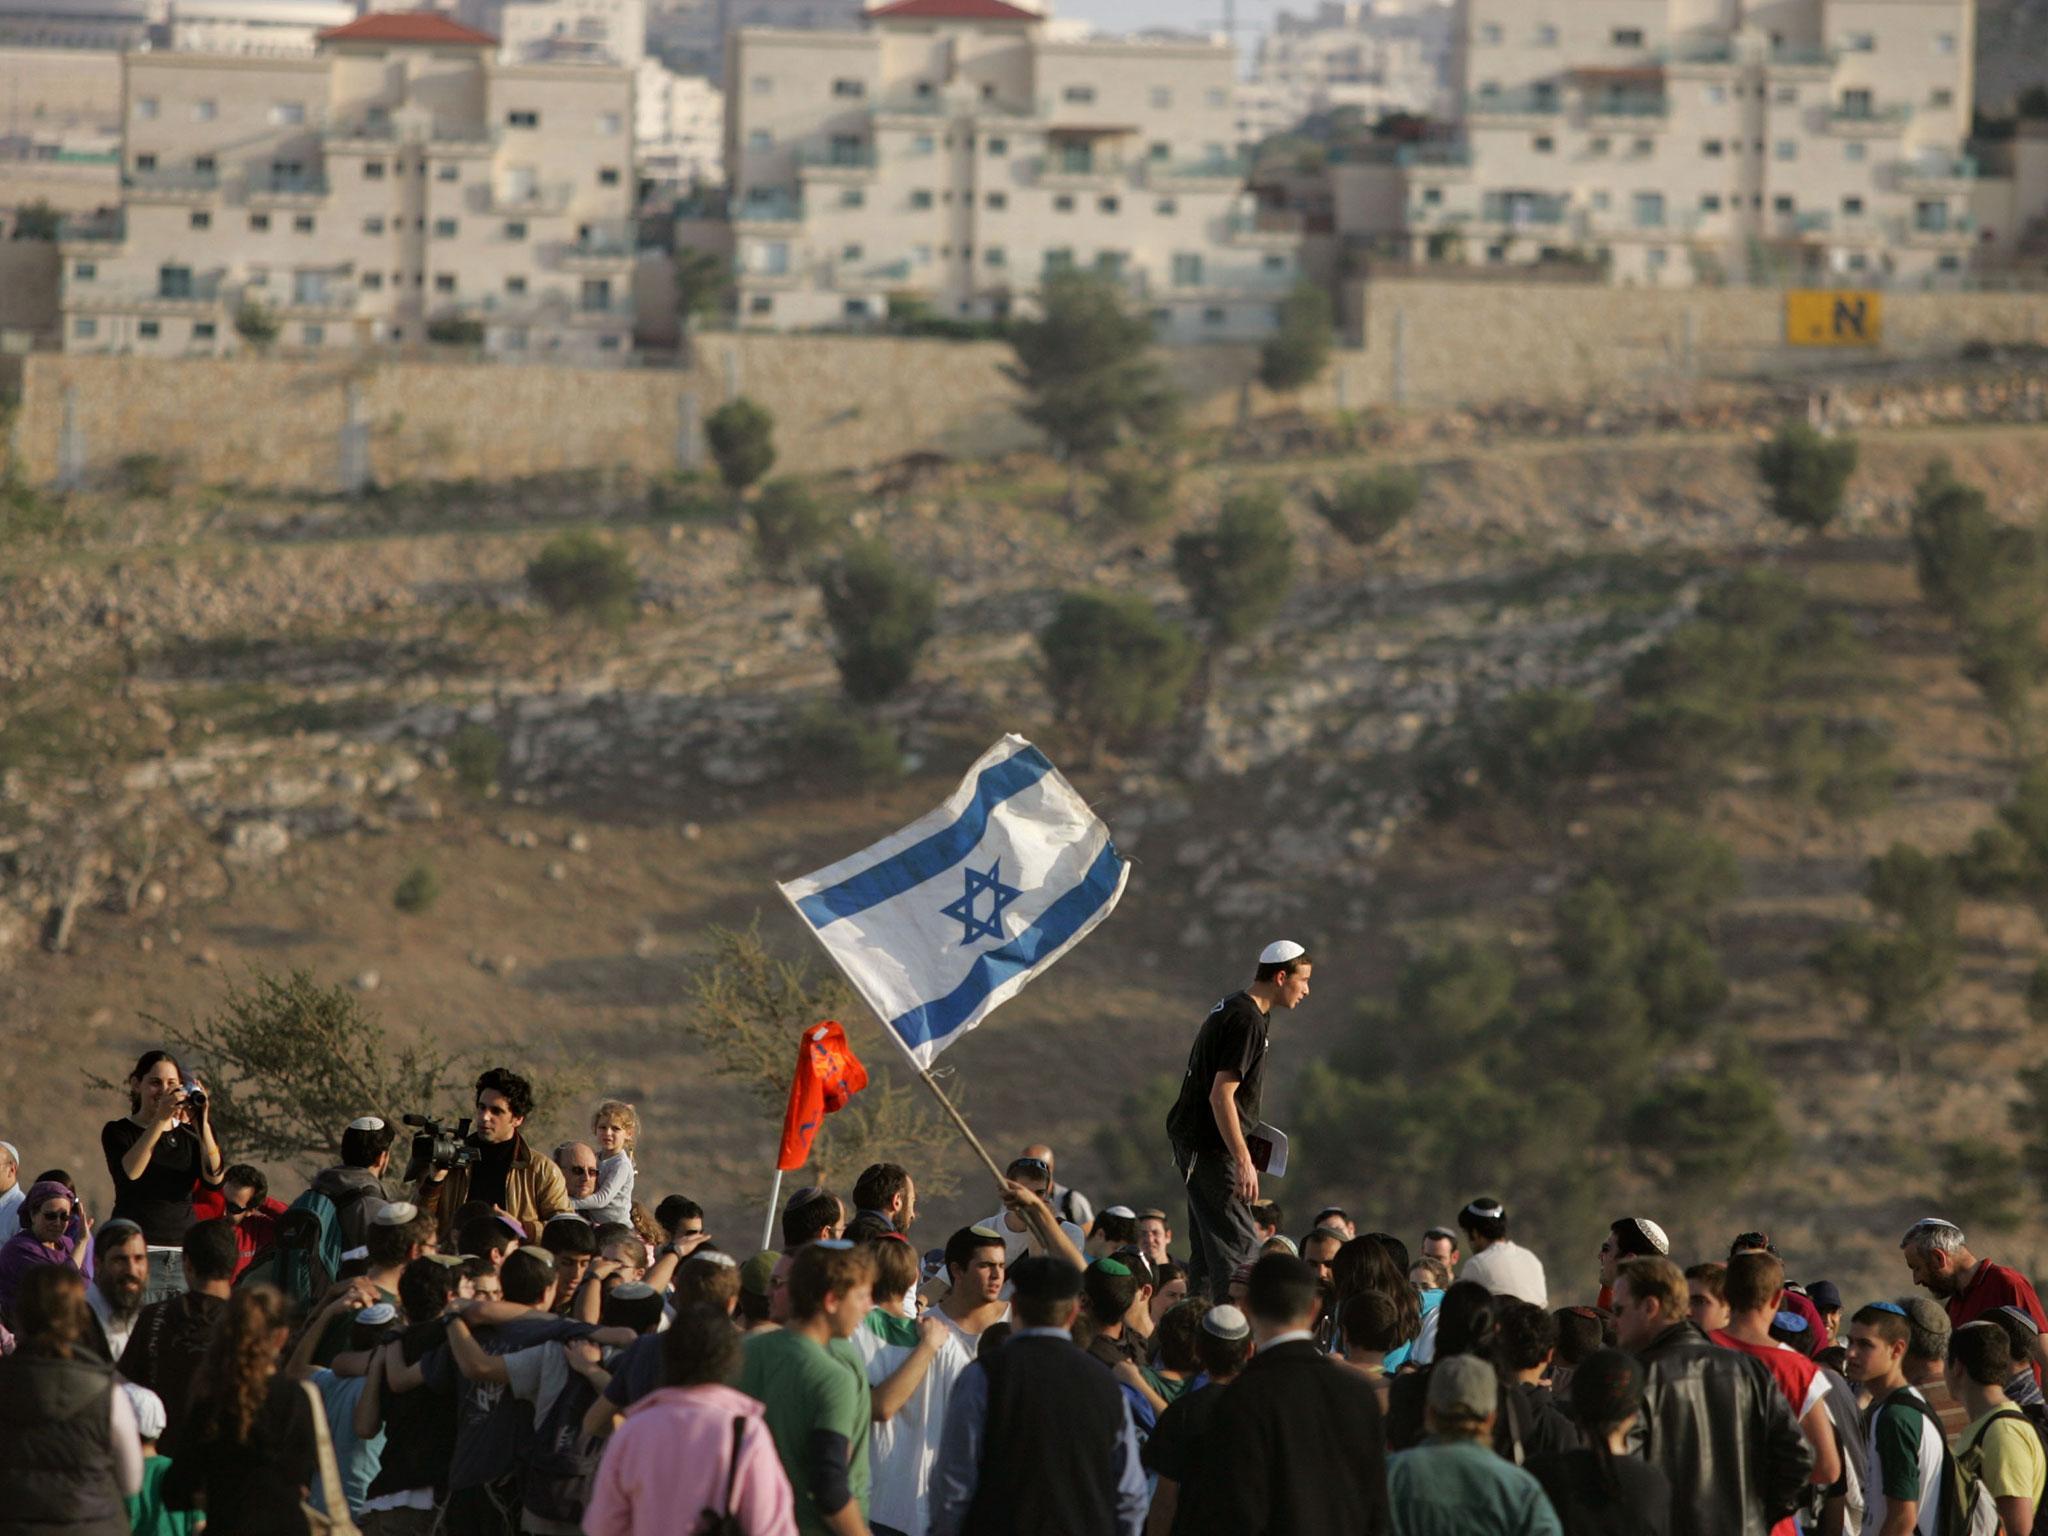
(400, 185)
(255, 26)
(80, 23)
(678, 127)
(1376, 57)
(1676, 141)
(953, 153)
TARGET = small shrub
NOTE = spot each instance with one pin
(789, 525)
(1299, 350)
(1116, 670)
(685, 499)
(742, 439)
(147, 474)
(475, 754)
(456, 331)
(257, 323)
(1847, 770)
(578, 572)
(882, 614)
(419, 890)
(834, 745)
(1137, 492)
(26, 513)
(1805, 475)
(1237, 571)
(1364, 509)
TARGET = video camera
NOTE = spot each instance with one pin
(435, 1146)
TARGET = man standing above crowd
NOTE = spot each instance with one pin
(1942, 1264)
(1296, 1444)
(506, 1175)
(1038, 1438)
(1218, 1104)
(1500, 1264)
(1713, 1420)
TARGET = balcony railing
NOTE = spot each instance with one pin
(1803, 58)
(1629, 106)
(1224, 168)
(1518, 211)
(781, 208)
(1937, 170)
(537, 197)
(837, 157)
(109, 226)
(178, 183)
(263, 188)
(1514, 104)
(1433, 156)
(1854, 116)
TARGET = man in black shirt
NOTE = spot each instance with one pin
(1176, 1446)
(1218, 1104)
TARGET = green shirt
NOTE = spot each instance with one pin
(1459, 1487)
(806, 1388)
(146, 1513)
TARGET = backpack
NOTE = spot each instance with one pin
(556, 1480)
(723, 1522)
(307, 1255)
(1967, 1508)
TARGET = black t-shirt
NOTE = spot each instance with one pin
(493, 1168)
(160, 1202)
(419, 1426)
(1174, 1448)
(171, 1337)
(250, 1487)
(1232, 1039)
(1637, 1504)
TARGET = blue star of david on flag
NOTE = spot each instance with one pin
(962, 911)
(940, 923)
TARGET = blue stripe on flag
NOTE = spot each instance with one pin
(935, 854)
(1056, 926)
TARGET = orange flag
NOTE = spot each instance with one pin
(828, 1074)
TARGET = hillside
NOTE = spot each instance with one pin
(275, 687)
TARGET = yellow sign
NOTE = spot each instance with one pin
(1833, 318)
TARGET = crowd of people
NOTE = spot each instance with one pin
(516, 1342)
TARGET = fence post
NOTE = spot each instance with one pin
(689, 444)
(70, 444)
(1692, 340)
(732, 374)
(355, 444)
(1400, 357)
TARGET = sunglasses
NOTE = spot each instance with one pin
(54, 1213)
(1031, 1165)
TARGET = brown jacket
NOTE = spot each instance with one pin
(534, 1191)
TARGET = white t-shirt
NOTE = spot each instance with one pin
(1878, 1435)
(1016, 1244)
(903, 1451)
(1506, 1268)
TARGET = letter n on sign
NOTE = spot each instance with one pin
(1830, 317)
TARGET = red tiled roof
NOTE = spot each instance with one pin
(429, 27)
(952, 10)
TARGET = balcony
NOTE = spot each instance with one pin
(537, 197)
(91, 234)
(1512, 108)
(328, 301)
(1626, 110)
(186, 186)
(1210, 175)
(598, 248)
(1523, 211)
(910, 109)
(286, 191)
(202, 296)
(1852, 120)
(768, 212)
(1081, 173)
(1788, 60)
(1277, 229)
(1956, 234)
(1434, 162)
(374, 136)
(836, 163)
(1703, 52)
(1937, 174)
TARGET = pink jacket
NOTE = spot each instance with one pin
(668, 1464)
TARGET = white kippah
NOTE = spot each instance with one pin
(395, 1213)
(1280, 951)
(713, 1257)
(377, 1314)
(1655, 1234)
(1226, 1322)
(1122, 1210)
(366, 1123)
(353, 1254)
(149, 1411)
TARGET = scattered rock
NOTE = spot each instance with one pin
(691, 831)
(557, 870)
(253, 843)
(577, 842)
(366, 981)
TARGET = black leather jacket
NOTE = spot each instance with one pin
(1717, 1424)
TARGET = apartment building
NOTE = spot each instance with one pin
(401, 185)
(1679, 141)
(255, 26)
(561, 31)
(1374, 57)
(678, 127)
(954, 152)
(80, 23)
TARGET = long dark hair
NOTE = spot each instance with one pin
(145, 1065)
(1607, 1390)
(50, 1311)
(1364, 1264)
(1465, 1320)
(234, 1377)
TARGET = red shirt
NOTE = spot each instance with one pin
(255, 1233)
(1795, 1376)
(1992, 1287)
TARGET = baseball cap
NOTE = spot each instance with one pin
(1280, 951)
(1226, 1322)
(756, 1273)
(1825, 1295)
(1463, 1387)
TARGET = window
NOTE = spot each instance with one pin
(444, 282)
(596, 294)
(1079, 95)
(1643, 147)
(85, 329)
(610, 124)
(1187, 269)
(1432, 197)
(146, 108)
(923, 144)
(854, 309)
(852, 197)
(1941, 96)
(148, 330)
(201, 219)
(998, 146)
(1944, 42)
(1059, 259)
(995, 256)
(1546, 36)
(1717, 95)
(1852, 205)
(444, 229)
(373, 170)
(1860, 42)
(174, 282)
(1786, 95)
(760, 138)
(313, 335)
(1649, 210)
(205, 165)
(1544, 144)
(515, 229)
(1166, 207)
(1655, 257)
(1162, 98)
(1711, 148)
(921, 255)
(851, 252)
(202, 330)
(1063, 204)
(287, 114)
(145, 162)
(1787, 149)
(515, 285)
(1626, 37)
(1490, 34)
(302, 224)
(761, 304)
(1107, 204)
(84, 272)
(373, 225)
(1930, 216)
(607, 175)
(1950, 263)
(205, 111)
(924, 90)
(1783, 204)
(1274, 261)
(1214, 98)
(373, 280)
(447, 173)
(1599, 145)
(521, 117)
(1710, 202)
(1854, 151)
(1212, 316)
(998, 199)
(849, 87)
(921, 198)
(1602, 200)
(1161, 151)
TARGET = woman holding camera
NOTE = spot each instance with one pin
(160, 1155)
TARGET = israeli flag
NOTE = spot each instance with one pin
(947, 919)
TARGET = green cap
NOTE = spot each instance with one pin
(756, 1273)
(1112, 1267)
